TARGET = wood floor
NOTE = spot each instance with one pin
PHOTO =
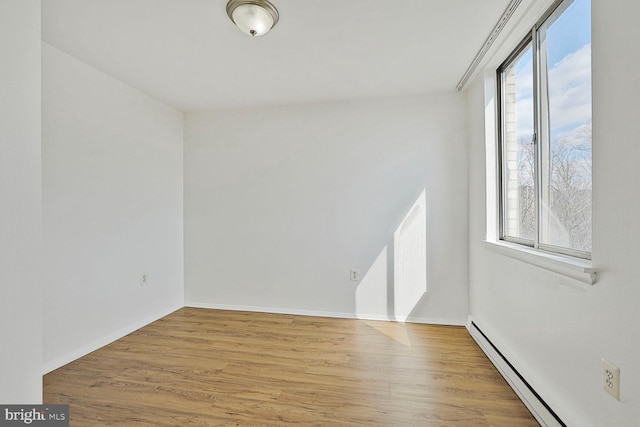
(227, 368)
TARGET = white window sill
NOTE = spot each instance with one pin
(576, 268)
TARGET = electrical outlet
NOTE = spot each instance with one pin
(144, 279)
(611, 379)
(354, 275)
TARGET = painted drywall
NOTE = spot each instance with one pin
(20, 206)
(553, 329)
(280, 204)
(112, 207)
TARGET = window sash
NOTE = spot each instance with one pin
(502, 161)
(540, 135)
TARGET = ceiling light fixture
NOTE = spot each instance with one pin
(253, 17)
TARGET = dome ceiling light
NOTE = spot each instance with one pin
(253, 17)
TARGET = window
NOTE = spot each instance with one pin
(544, 91)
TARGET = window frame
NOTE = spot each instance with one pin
(531, 39)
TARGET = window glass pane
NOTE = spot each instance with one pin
(518, 151)
(565, 70)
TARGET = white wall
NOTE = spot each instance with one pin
(280, 203)
(112, 205)
(20, 203)
(553, 329)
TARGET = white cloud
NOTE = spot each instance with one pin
(570, 89)
(576, 137)
(569, 92)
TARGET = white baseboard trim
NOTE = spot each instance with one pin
(432, 321)
(531, 399)
(95, 345)
(339, 315)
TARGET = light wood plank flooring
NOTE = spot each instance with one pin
(229, 368)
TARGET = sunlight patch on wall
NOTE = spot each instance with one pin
(410, 260)
(371, 293)
(396, 282)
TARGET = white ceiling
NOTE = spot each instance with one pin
(188, 54)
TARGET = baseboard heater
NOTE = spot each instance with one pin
(532, 400)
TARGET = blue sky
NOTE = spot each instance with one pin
(570, 31)
(569, 61)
